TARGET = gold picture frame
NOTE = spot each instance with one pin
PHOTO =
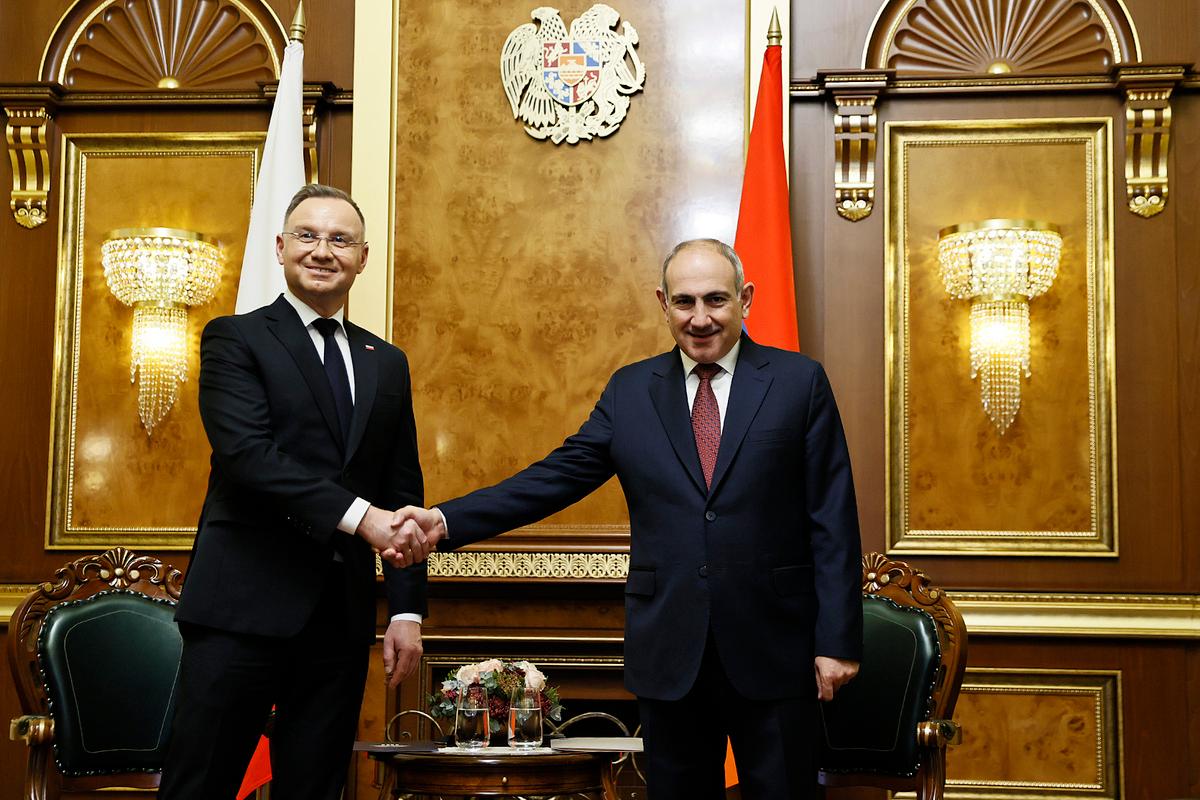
(1047, 486)
(1068, 745)
(110, 483)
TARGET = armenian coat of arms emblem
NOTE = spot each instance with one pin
(570, 86)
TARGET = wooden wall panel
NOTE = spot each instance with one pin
(525, 271)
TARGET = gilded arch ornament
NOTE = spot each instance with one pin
(196, 45)
(1001, 36)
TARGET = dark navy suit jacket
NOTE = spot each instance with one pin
(282, 478)
(768, 559)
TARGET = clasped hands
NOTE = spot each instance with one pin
(403, 537)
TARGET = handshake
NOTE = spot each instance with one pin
(403, 537)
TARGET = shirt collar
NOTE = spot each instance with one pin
(307, 315)
(727, 362)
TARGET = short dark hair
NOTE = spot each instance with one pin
(722, 249)
(311, 190)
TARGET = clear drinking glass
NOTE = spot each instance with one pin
(525, 718)
(471, 722)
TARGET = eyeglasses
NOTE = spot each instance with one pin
(309, 240)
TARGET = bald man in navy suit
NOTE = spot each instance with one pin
(742, 604)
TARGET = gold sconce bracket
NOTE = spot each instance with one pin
(854, 128)
(1147, 134)
(25, 131)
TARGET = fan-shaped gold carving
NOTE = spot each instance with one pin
(1001, 36)
(120, 45)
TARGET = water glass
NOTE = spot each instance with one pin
(471, 721)
(525, 718)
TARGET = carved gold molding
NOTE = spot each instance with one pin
(25, 132)
(1147, 135)
(1128, 616)
(854, 125)
(309, 126)
(537, 566)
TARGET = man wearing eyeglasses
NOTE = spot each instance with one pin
(314, 445)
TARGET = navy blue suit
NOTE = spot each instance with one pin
(757, 575)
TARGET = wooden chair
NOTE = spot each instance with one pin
(95, 655)
(889, 727)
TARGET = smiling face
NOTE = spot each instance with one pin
(320, 275)
(703, 308)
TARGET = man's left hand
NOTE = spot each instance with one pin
(402, 650)
(832, 674)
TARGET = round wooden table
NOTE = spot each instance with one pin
(484, 774)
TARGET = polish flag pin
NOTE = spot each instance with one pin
(370, 347)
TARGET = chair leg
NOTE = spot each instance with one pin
(37, 778)
(933, 776)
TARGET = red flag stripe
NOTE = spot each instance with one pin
(764, 231)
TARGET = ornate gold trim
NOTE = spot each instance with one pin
(1103, 686)
(535, 566)
(898, 20)
(1096, 135)
(1147, 135)
(25, 132)
(309, 126)
(1152, 616)
(11, 596)
(828, 81)
(854, 155)
(61, 532)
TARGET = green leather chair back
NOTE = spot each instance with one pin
(110, 665)
(871, 724)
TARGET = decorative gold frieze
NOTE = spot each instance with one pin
(25, 132)
(573, 566)
(854, 155)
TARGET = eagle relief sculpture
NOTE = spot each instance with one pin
(571, 86)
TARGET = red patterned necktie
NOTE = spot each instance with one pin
(706, 420)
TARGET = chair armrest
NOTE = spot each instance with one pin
(938, 733)
(33, 729)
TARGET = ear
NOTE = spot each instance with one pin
(362, 262)
(279, 247)
(662, 298)
(747, 298)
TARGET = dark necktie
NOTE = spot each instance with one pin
(335, 371)
(706, 420)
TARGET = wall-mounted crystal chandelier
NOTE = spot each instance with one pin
(999, 265)
(160, 272)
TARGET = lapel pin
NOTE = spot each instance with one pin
(370, 347)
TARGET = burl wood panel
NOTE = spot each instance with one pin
(525, 271)
(962, 474)
(1051, 736)
(119, 477)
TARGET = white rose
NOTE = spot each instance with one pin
(534, 679)
(468, 674)
(491, 665)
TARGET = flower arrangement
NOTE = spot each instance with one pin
(499, 679)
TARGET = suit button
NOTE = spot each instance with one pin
(710, 515)
(703, 570)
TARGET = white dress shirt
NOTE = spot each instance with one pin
(358, 509)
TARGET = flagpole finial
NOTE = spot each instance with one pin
(774, 32)
(299, 25)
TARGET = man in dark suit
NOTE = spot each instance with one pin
(744, 573)
(311, 425)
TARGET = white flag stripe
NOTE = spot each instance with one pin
(279, 178)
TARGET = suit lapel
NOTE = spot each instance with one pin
(284, 323)
(366, 379)
(669, 395)
(750, 384)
